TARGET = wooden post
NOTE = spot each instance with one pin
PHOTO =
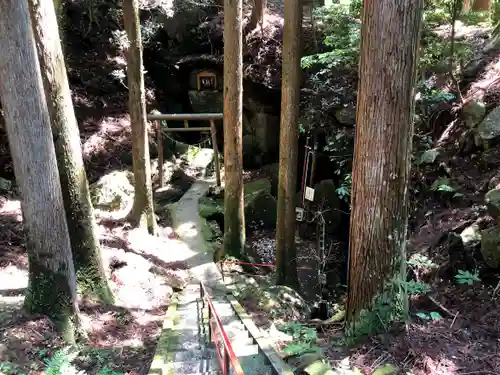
(186, 123)
(213, 132)
(159, 143)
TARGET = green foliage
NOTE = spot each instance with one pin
(433, 315)
(342, 37)
(339, 147)
(445, 186)
(344, 191)
(420, 261)
(467, 278)
(304, 339)
(416, 287)
(388, 307)
(62, 362)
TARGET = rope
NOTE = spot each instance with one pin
(206, 141)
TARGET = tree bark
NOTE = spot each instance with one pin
(234, 218)
(482, 5)
(142, 210)
(286, 262)
(258, 13)
(52, 282)
(75, 188)
(377, 254)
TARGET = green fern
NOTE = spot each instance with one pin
(61, 362)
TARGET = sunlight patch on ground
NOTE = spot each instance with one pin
(11, 278)
(187, 229)
(111, 129)
(12, 208)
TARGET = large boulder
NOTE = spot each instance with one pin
(489, 128)
(260, 205)
(492, 199)
(206, 101)
(271, 171)
(261, 210)
(471, 236)
(474, 112)
(490, 246)
(494, 182)
(347, 115)
(114, 191)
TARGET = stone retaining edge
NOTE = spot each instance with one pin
(163, 355)
(279, 366)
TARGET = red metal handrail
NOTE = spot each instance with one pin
(227, 356)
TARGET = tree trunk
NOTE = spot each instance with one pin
(142, 210)
(75, 188)
(482, 5)
(234, 218)
(287, 182)
(58, 7)
(52, 282)
(377, 254)
(258, 13)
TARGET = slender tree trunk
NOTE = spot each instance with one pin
(79, 211)
(52, 282)
(142, 210)
(58, 7)
(258, 13)
(287, 182)
(234, 218)
(377, 253)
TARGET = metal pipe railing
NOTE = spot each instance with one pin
(185, 116)
(226, 357)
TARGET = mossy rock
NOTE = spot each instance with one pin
(473, 113)
(490, 246)
(114, 191)
(255, 186)
(277, 300)
(272, 173)
(260, 205)
(208, 207)
(492, 199)
(489, 128)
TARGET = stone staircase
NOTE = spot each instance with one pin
(190, 350)
(184, 347)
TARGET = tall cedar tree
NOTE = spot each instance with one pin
(142, 210)
(234, 219)
(258, 13)
(52, 282)
(287, 181)
(75, 188)
(377, 238)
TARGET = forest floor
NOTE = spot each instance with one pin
(121, 337)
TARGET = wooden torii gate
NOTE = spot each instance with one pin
(186, 117)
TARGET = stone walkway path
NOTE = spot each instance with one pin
(184, 346)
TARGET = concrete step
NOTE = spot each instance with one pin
(194, 355)
(193, 366)
(245, 350)
(255, 365)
